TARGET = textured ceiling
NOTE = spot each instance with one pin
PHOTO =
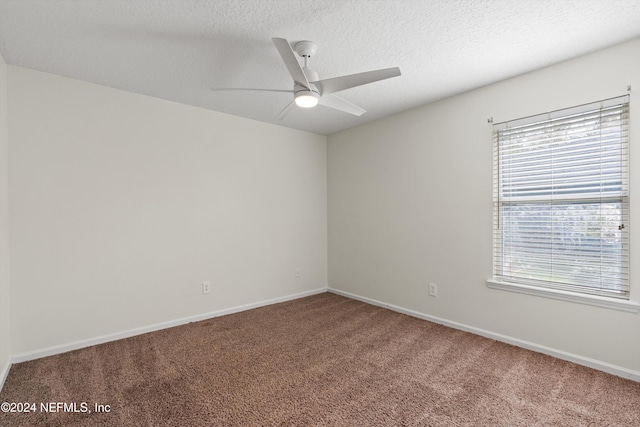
(179, 49)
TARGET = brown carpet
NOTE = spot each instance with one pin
(323, 360)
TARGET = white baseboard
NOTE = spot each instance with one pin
(63, 348)
(4, 372)
(575, 358)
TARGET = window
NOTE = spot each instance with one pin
(561, 200)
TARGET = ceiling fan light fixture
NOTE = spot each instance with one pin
(306, 98)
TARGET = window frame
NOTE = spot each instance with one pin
(551, 288)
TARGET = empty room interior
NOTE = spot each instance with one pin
(450, 237)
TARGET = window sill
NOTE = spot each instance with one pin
(612, 303)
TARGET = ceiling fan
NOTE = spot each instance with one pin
(309, 91)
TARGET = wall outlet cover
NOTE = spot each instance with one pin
(206, 287)
(433, 289)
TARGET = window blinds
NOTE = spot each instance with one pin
(561, 208)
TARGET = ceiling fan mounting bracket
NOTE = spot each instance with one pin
(305, 48)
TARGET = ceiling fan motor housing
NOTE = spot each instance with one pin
(311, 75)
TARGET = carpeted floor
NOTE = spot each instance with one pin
(323, 360)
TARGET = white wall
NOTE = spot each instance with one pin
(410, 203)
(121, 205)
(5, 328)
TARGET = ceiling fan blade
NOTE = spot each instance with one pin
(225, 89)
(289, 58)
(285, 111)
(337, 84)
(337, 103)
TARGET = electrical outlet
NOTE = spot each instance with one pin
(433, 289)
(206, 287)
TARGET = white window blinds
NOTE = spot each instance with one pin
(561, 208)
